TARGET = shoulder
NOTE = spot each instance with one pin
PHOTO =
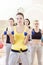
(41, 31)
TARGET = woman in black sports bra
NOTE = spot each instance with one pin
(6, 36)
(36, 43)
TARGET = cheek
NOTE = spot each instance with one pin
(11, 23)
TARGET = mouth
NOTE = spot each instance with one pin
(19, 21)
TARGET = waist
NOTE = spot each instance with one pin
(18, 47)
(36, 41)
(19, 50)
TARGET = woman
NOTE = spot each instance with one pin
(36, 43)
(6, 37)
(19, 40)
(27, 24)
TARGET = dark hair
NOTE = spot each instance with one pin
(7, 29)
(11, 19)
(19, 13)
(28, 21)
(14, 24)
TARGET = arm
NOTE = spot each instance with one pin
(3, 37)
(26, 39)
(42, 38)
(42, 41)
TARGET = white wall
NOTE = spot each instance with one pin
(33, 9)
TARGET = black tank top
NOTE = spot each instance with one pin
(36, 35)
(8, 39)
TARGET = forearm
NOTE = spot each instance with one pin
(2, 37)
(26, 40)
(11, 38)
(42, 40)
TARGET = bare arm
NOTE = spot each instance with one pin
(28, 36)
(11, 38)
(42, 38)
(3, 37)
(26, 39)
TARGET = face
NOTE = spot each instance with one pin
(11, 22)
(26, 22)
(20, 19)
(36, 24)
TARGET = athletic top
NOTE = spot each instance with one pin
(8, 39)
(36, 35)
(19, 40)
(9, 30)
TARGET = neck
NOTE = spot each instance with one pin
(36, 28)
(11, 25)
(20, 25)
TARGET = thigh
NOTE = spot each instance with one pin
(24, 58)
(8, 47)
(13, 58)
(39, 52)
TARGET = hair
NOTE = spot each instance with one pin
(15, 24)
(11, 19)
(19, 13)
(28, 21)
(7, 29)
(36, 20)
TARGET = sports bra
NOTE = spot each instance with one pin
(8, 39)
(36, 35)
(19, 40)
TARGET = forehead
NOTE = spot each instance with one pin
(19, 16)
(26, 20)
(11, 21)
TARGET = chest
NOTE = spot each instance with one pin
(36, 35)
